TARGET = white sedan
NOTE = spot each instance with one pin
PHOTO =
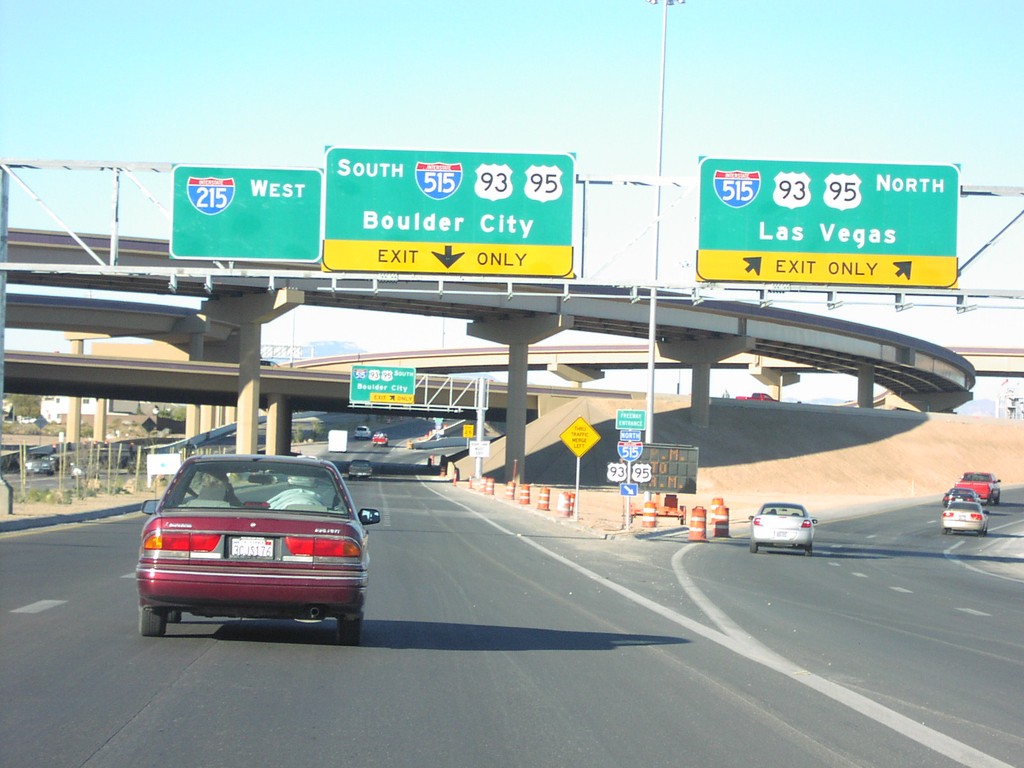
(782, 524)
(965, 516)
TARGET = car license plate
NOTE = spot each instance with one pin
(785, 535)
(252, 547)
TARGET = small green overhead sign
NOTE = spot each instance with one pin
(246, 214)
(376, 384)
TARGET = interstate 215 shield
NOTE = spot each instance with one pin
(210, 196)
(737, 188)
(438, 180)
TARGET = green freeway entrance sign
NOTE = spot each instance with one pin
(259, 214)
(630, 419)
(828, 223)
(375, 384)
(448, 212)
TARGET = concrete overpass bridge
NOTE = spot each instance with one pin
(689, 332)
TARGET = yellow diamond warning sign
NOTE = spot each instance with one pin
(580, 437)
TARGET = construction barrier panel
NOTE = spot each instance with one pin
(697, 521)
(544, 500)
(650, 518)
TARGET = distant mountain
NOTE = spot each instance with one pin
(977, 408)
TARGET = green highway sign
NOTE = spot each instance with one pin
(448, 212)
(246, 214)
(630, 419)
(377, 384)
(790, 221)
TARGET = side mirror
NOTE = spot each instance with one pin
(369, 516)
(814, 520)
(751, 517)
(149, 506)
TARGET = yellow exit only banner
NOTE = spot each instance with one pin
(449, 259)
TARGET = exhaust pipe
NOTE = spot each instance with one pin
(314, 612)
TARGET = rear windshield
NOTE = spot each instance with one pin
(782, 510)
(262, 485)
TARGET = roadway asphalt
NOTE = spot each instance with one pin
(496, 637)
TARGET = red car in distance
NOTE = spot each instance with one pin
(757, 396)
(265, 537)
(380, 438)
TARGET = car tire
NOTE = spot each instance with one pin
(174, 617)
(983, 532)
(995, 500)
(753, 547)
(945, 531)
(349, 631)
(152, 623)
(808, 550)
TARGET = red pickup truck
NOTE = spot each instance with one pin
(985, 484)
(756, 396)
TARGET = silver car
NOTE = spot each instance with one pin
(965, 516)
(782, 524)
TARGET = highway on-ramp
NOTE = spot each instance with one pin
(496, 637)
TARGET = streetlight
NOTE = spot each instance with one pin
(652, 324)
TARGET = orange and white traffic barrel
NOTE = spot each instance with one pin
(488, 486)
(650, 516)
(697, 522)
(720, 522)
(524, 495)
(544, 499)
(510, 490)
(564, 504)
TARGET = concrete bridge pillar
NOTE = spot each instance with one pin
(73, 431)
(99, 421)
(250, 312)
(518, 335)
(866, 386)
(279, 426)
(701, 355)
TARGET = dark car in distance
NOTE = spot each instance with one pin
(960, 494)
(239, 536)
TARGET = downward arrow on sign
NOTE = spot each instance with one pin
(448, 258)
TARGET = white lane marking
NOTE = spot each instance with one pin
(39, 606)
(860, 575)
(903, 590)
(973, 612)
(129, 575)
(741, 643)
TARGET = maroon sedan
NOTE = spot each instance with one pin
(254, 537)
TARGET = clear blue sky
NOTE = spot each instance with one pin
(266, 84)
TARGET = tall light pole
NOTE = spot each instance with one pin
(652, 330)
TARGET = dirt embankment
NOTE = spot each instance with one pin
(786, 449)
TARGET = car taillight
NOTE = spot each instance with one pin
(182, 544)
(947, 514)
(977, 516)
(805, 524)
(757, 521)
(309, 548)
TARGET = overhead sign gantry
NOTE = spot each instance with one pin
(448, 212)
(828, 223)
